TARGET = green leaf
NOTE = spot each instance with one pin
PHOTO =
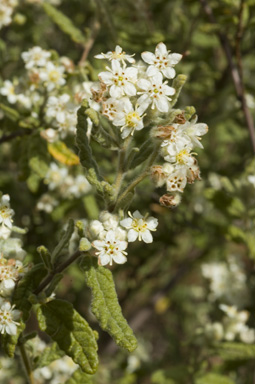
(45, 256)
(85, 152)
(62, 153)
(64, 241)
(9, 342)
(71, 332)
(143, 154)
(25, 288)
(9, 112)
(236, 351)
(213, 378)
(79, 377)
(64, 23)
(105, 305)
(49, 354)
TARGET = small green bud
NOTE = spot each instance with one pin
(85, 245)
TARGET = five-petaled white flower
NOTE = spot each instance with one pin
(110, 249)
(120, 80)
(52, 75)
(128, 118)
(35, 57)
(139, 227)
(161, 61)
(155, 92)
(194, 131)
(8, 90)
(118, 54)
(9, 273)
(8, 315)
(56, 107)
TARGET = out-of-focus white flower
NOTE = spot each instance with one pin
(8, 90)
(46, 203)
(247, 335)
(56, 107)
(110, 249)
(128, 118)
(8, 317)
(35, 57)
(6, 212)
(6, 10)
(161, 61)
(214, 331)
(155, 92)
(139, 227)
(55, 176)
(120, 80)
(177, 180)
(69, 124)
(79, 187)
(118, 54)
(251, 179)
(50, 134)
(52, 75)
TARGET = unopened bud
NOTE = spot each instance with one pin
(85, 244)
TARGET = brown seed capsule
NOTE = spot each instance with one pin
(170, 201)
(180, 119)
(164, 132)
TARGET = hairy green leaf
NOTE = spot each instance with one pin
(143, 154)
(64, 23)
(9, 342)
(79, 377)
(25, 288)
(105, 305)
(71, 332)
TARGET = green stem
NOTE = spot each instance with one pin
(57, 270)
(121, 165)
(26, 363)
(142, 176)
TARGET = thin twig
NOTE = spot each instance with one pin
(11, 136)
(89, 44)
(236, 70)
(57, 270)
(26, 363)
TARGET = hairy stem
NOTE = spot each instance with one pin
(57, 270)
(26, 363)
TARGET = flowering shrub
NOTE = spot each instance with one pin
(103, 191)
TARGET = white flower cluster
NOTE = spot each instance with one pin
(178, 142)
(11, 269)
(126, 93)
(113, 235)
(65, 185)
(233, 325)
(6, 11)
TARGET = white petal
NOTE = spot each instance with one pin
(152, 223)
(137, 215)
(174, 58)
(122, 245)
(116, 66)
(152, 71)
(161, 49)
(162, 104)
(169, 72)
(104, 259)
(147, 237)
(132, 235)
(119, 258)
(110, 236)
(11, 329)
(169, 91)
(116, 91)
(9, 283)
(131, 72)
(126, 223)
(98, 244)
(148, 57)
(144, 84)
(126, 132)
(130, 89)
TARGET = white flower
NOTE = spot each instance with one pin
(128, 118)
(6, 212)
(176, 141)
(79, 187)
(247, 335)
(110, 249)
(177, 180)
(118, 54)
(50, 134)
(8, 90)
(110, 108)
(52, 75)
(46, 203)
(251, 180)
(139, 227)
(194, 131)
(69, 124)
(161, 61)
(155, 92)
(24, 100)
(120, 80)
(56, 107)
(10, 271)
(8, 315)
(182, 158)
(35, 57)
(55, 176)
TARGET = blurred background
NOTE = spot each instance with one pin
(172, 292)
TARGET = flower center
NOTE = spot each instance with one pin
(132, 119)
